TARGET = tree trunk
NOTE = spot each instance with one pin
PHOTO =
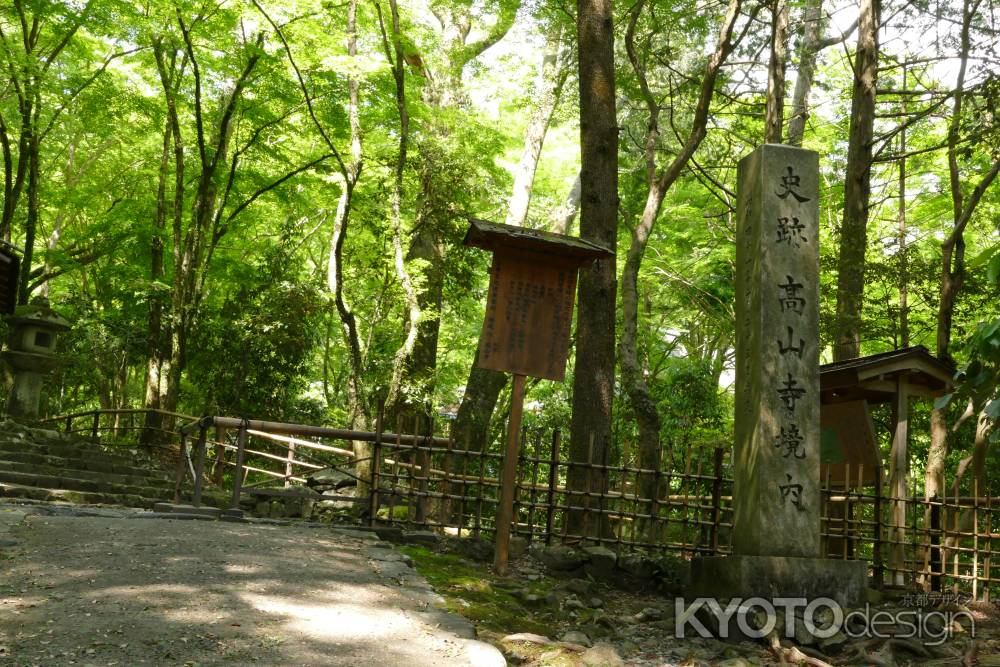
(472, 424)
(904, 278)
(774, 111)
(156, 351)
(413, 312)
(594, 373)
(811, 34)
(953, 258)
(425, 249)
(857, 186)
(547, 93)
(31, 221)
(193, 247)
(563, 216)
(358, 407)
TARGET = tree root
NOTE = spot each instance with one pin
(970, 659)
(792, 655)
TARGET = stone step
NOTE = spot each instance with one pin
(84, 451)
(70, 450)
(75, 497)
(8, 490)
(75, 484)
(77, 473)
(95, 463)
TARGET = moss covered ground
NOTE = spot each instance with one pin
(495, 604)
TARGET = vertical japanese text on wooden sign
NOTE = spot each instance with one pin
(528, 314)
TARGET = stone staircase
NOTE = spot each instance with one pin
(40, 464)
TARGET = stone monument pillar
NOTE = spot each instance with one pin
(31, 352)
(776, 495)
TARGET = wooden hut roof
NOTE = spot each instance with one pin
(873, 378)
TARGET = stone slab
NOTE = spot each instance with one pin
(178, 516)
(770, 577)
(213, 512)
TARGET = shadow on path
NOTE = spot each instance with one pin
(130, 591)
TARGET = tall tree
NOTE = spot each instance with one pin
(464, 35)
(594, 367)
(551, 78)
(953, 267)
(394, 54)
(812, 42)
(857, 185)
(44, 87)
(659, 180)
(774, 112)
(216, 193)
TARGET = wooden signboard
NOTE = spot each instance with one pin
(530, 304)
(526, 331)
(10, 266)
(528, 314)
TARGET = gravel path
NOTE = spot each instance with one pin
(120, 588)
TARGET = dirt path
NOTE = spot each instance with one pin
(121, 589)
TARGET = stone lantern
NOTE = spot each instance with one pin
(31, 352)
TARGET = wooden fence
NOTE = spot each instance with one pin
(681, 504)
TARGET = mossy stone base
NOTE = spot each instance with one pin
(772, 577)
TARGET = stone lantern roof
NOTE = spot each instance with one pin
(38, 313)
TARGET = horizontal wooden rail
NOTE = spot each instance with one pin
(282, 428)
(267, 472)
(113, 411)
(299, 442)
(275, 457)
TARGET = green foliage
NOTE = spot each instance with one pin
(251, 355)
(981, 373)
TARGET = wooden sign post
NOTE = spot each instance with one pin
(529, 311)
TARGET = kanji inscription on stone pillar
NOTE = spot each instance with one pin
(777, 488)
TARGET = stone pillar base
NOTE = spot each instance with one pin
(771, 577)
(25, 394)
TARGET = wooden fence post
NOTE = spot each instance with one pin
(987, 579)
(975, 539)
(717, 500)
(936, 567)
(447, 465)
(179, 476)
(219, 468)
(550, 507)
(288, 464)
(877, 566)
(424, 459)
(241, 443)
(376, 467)
(199, 465)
